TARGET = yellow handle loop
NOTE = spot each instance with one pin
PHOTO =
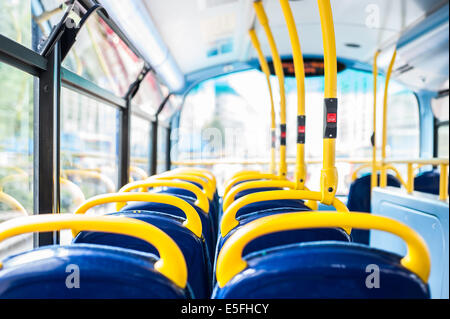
(240, 173)
(248, 177)
(209, 191)
(230, 196)
(229, 220)
(201, 202)
(13, 203)
(230, 261)
(171, 263)
(193, 221)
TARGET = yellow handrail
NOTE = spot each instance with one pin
(329, 174)
(378, 167)
(265, 69)
(202, 200)
(248, 177)
(171, 263)
(138, 171)
(383, 177)
(210, 179)
(110, 186)
(229, 220)
(299, 67)
(264, 21)
(230, 261)
(374, 177)
(193, 221)
(186, 177)
(13, 203)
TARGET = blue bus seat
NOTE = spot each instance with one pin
(193, 248)
(105, 273)
(207, 226)
(428, 182)
(359, 198)
(321, 270)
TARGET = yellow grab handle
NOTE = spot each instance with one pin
(230, 261)
(209, 191)
(329, 175)
(299, 68)
(264, 21)
(110, 186)
(240, 173)
(193, 221)
(13, 203)
(229, 220)
(202, 200)
(248, 177)
(230, 196)
(171, 263)
(198, 172)
(265, 68)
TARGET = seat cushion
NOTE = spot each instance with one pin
(207, 224)
(323, 270)
(192, 247)
(104, 272)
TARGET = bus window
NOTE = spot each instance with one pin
(440, 110)
(88, 144)
(140, 148)
(100, 56)
(15, 21)
(16, 152)
(162, 148)
(149, 97)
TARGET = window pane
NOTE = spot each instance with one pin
(88, 149)
(440, 108)
(140, 148)
(162, 146)
(149, 97)
(100, 56)
(15, 20)
(229, 118)
(16, 152)
(443, 141)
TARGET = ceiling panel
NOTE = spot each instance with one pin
(204, 33)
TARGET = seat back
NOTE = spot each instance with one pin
(193, 248)
(104, 273)
(427, 182)
(311, 270)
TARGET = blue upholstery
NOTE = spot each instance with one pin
(255, 190)
(208, 229)
(192, 247)
(359, 198)
(285, 237)
(105, 272)
(289, 204)
(322, 270)
(428, 182)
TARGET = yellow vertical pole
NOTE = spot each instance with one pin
(266, 71)
(264, 21)
(443, 183)
(374, 177)
(383, 177)
(410, 181)
(300, 167)
(329, 174)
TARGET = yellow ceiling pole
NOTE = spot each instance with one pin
(300, 167)
(374, 177)
(264, 21)
(329, 174)
(265, 69)
(383, 177)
